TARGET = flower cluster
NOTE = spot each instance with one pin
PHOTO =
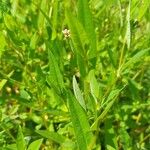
(66, 33)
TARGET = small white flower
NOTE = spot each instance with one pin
(66, 33)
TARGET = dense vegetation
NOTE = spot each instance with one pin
(74, 74)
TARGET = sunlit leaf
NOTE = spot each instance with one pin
(78, 93)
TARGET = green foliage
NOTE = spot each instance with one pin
(35, 145)
(20, 140)
(80, 123)
(74, 74)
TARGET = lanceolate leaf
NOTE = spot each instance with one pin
(80, 122)
(78, 93)
(20, 140)
(80, 41)
(52, 135)
(55, 78)
(78, 34)
(85, 17)
(56, 137)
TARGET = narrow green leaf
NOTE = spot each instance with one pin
(4, 81)
(9, 22)
(21, 144)
(112, 57)
(78, 93)
(33, 41)
(78, 34)
(79, 40)
(136, 58)
(145, 5)
(120, 13)
(110, 101)
(52, 135)
(55, 18)
(55, 78)
(35, 145)
(42, 14)
(94, 86)
(3, 44)
(128, 32)
(11, 147)
(80, 123)
(82, 65)
(85, 17)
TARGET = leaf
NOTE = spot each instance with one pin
(112, 57)
(24, 94)
(128, 32)
(52, 135)
(21, 144)
(78, 93)
(112, 94)
(134, 88)
(55, 19)
(80, 41)
(41, 19)
(14, 7)
(136, 58)
(3, 44)
(33, 41)
(42, 14)
(4, 81)
(145, 5)
(110, 136)
(110, 101)
(11, 147)
(35, 145)
(94, 86)
(81, 65)
(80, 123)
(85, 17)
(55, 79)
(125, 138)
(78, 33)
(10, 22)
